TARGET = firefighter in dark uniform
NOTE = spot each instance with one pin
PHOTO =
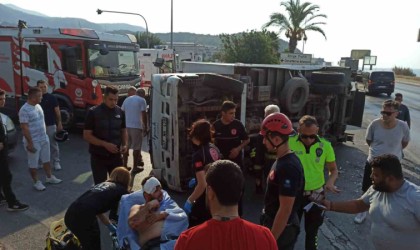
(263, 159)
(107, 136)
(315, 153)
(81, 216)
(285, 183)
(204, 153)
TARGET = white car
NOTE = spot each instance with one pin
(10, 130)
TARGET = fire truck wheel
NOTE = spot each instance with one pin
(328, 89)
(66, 116)
(222, 82)
(327, 77)
(294, 95)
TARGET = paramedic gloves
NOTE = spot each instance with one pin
(192, 183)
(112, 228)
(188, 206)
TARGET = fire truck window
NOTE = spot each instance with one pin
(38, 57)
(72, 60)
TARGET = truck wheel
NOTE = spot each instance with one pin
(66, 116)
(328, 89)
(222, 82)
(294, 95)
(327, 77)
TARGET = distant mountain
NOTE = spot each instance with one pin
(30, 12)
(9, 16)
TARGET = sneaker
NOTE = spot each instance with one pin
(39, 186)
(53, 180)
(17, 206)
(57, 166)
(360, 217)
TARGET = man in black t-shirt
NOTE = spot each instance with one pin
(285, 182)
(52, 117)
(230, 135)
(107, 136)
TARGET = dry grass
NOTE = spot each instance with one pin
(408, 79)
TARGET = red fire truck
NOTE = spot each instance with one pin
(76, 63)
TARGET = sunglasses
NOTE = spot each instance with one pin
(388, 113)
(308, 136)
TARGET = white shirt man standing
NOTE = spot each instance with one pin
(35, 138)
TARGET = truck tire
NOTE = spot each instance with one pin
(327, 89)
(327, 77)
(224, 83)
(294, 95)
(66, 112)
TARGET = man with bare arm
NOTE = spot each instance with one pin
(149, 218)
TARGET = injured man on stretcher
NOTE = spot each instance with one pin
(149, 218)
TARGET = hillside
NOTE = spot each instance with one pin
(11, 14)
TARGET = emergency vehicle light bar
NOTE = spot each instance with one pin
(80, 33)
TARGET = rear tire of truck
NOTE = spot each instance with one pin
(294, 95)
(327, 77)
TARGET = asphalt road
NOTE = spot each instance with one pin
(28, 229)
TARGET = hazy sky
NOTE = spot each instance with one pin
(388, 28)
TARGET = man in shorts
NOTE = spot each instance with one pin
(35, 138)
(134, 107)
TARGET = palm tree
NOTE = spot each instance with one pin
(299, 20)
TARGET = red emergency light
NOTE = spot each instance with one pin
(80, 33)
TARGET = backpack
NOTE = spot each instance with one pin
(60, 238)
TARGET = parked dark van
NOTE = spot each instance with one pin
(377, 82)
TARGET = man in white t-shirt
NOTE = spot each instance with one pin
(35, 138)
(134, 107)
(385, 135)
(393, 204)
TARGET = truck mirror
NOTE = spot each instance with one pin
(159, 62)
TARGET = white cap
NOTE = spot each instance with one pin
(150, 185)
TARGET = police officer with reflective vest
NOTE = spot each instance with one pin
(107, 135)
(314, 153)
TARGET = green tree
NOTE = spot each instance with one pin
(142, 40)
(299, 20)
(250, 47)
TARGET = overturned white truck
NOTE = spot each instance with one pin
(179, 99)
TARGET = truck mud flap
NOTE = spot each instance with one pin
(294, 95)
(327, 77)
(327, 89)
(358, 109)
(222, 82)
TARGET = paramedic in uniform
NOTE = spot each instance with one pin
(230, 137)
(314, 153)
(81, 216)
(204, 153)
(107, 136)
(285, 183)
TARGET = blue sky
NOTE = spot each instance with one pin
(388, 28)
